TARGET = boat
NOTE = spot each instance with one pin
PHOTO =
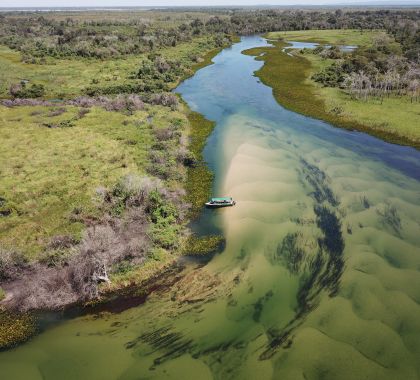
(220, 202)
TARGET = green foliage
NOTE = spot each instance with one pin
(163, 215)
(331, 76)
(123, 267)
(162, 212)
(22, 90)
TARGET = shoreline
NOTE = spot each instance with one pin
(18, 328)
(287, 76)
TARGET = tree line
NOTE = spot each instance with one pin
(37, 37)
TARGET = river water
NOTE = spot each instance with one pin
(320, 275)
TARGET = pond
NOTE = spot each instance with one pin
(320, 274)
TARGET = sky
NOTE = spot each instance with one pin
(108, 3)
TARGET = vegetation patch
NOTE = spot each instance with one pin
(199, 176)
(15, 328)
(201, 246)
(289, 75)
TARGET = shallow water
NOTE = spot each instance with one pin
(313, 45)
(320, 275)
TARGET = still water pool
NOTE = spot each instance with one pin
(320, 275)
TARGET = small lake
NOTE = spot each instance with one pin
(320, 275)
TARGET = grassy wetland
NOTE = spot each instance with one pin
(393, 117)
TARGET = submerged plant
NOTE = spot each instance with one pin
(203, 245)
(389, 216)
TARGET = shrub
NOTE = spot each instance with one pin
(165, 99)
(25, 102)
(129, 103)
(21, 90)
(331, 76)
(12, 263)
(318, 49)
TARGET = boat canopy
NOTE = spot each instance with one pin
(224, 199)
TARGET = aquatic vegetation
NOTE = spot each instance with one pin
(330, 225)
(259, 306)
(203, 245)
(174, 343)
(389, 216)
(290, 252)
(365, 201)
(15, 328)
(319, 269)
(199, 177)
(319, 182)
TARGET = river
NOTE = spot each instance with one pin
(319, 278)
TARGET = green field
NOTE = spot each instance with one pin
(326, 36)
(397, 119)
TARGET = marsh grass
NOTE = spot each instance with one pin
(288, 76)
(50, 174)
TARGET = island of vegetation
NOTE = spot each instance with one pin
(101, 163)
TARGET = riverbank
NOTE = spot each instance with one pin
(138, 281)
(289, 75)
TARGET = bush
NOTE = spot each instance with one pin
(165, 99)
(12, 263)
(318, 49)
(21, 90)
(331, 76)
(120, 103)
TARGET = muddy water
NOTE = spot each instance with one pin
(320, 276)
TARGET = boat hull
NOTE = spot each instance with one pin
(219, 205)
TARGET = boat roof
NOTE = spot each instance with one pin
(221, 199)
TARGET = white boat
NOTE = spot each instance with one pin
(220, 202)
